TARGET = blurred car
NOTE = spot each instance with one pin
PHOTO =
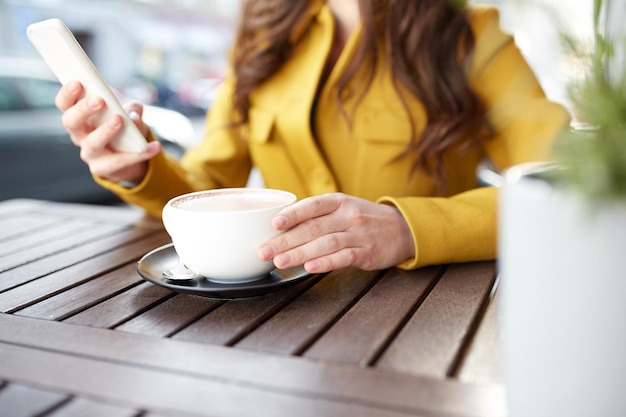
(37, 158)
(161, 94)
(202, 92)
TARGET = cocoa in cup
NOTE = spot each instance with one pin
(216, 233)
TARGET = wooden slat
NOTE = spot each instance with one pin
(44, 235)
(85, 407)
(70, 257)
(359, 336)
(46, 249)
(17, 400)
(170, 316)
(19, 205)
(483, 363)
(16, 225)
(122, 214)
(433, 340)
(294, 328)
(83, 296)
(152, 389)
(314, 379)
(155, 415)
(237, 318)
(122, 250)
(152, 415)
(123, 307)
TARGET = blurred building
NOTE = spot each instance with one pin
(181, 41)
(166, 40)
(537, 26)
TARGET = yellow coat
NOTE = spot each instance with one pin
(357, 160)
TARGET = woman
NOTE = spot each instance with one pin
(376, 113)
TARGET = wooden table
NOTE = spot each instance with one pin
(82, 334)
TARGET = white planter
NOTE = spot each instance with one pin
(563, 314)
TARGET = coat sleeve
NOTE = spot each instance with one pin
(463, 227)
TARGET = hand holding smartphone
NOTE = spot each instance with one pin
(68, 61)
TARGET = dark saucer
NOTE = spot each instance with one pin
(155, 263)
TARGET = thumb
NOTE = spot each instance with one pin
(135, 112)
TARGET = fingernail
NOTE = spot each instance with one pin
(115, 122)
(133, 115)
(73, 86)
(282, 260)
(152, 146)
(280, 222)
(313, 267)
(93, 102)
(266, 252)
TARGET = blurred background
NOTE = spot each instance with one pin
(171, 55)
(168, 54)
(164, 52)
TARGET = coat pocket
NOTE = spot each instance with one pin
(382, 125)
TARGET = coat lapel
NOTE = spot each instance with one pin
(289, 96)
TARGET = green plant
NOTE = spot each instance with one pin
(593, 153)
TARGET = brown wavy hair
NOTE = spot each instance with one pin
(426, 42)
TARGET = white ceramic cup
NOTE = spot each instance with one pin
(216, 233)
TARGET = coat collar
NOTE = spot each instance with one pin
(311, 14)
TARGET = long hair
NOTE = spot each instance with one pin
(426, 42)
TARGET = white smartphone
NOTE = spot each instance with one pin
(68, 61)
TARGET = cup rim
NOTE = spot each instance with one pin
(174, 202)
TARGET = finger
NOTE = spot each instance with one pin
(309, 231)
(325, 245)
(305, 220)
(362, 257)
(113, 163)
(99, 140)
(134, 106)
(342, 259)
(77, 119)
(68, 95)
(307, 209)
(135, 112)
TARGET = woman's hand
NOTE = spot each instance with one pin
(95, 140)
(333, 231)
